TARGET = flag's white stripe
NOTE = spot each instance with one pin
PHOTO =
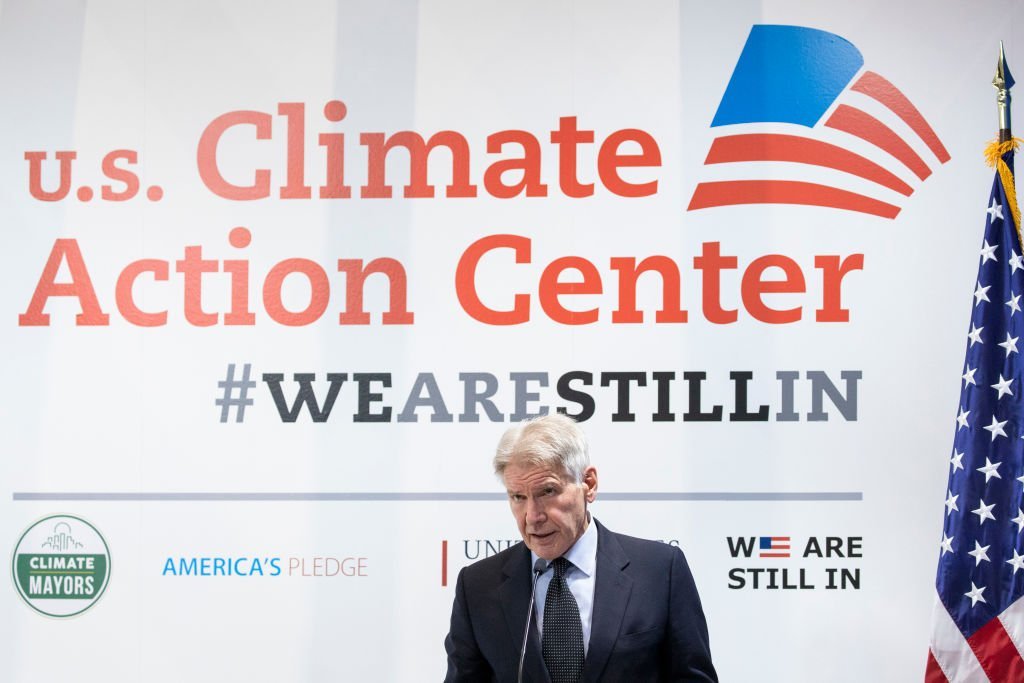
(873, 107)
(1013, 621)
(951, 651)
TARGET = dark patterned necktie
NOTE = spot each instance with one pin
(563, 632)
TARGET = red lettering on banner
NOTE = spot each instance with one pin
(125, 298)
(378, 147)
(629, 273)
(195, 269)
(568, 138)
(355, 277)
(334, 186)
(833, 270)
(192, 267)
(239, 314)
(465, 280)
(551, 287)
(319, 292)
(529, 165)
(711, 263)
(122, 175)
(64, 251)
(754, 286)
(609, 161)
(115, 165)
(554, 287)
(418, 148)
(296, 188)
(206, 155)
(35, 175)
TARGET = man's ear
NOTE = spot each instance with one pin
(590, 483)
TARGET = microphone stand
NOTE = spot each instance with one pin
(539, 567)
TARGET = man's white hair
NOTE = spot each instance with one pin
(552, 441)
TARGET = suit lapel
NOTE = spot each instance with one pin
(611, 595)
(514, 594)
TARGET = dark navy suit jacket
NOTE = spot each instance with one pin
(647, 625)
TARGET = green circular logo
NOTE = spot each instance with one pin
(61, 566)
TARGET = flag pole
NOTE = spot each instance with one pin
(1002, 149)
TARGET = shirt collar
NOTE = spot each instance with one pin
(583, 553)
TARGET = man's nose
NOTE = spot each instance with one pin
(534, 512)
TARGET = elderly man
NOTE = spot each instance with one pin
(607, 607)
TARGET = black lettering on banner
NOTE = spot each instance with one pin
(585, 400)
(741, 414)
(741, 545)
(693, 412)
(306, 396)
(367, 397)
(622, 379)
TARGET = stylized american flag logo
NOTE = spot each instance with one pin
(773, 546)
(806, 124)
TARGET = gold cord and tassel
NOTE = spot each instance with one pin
(994, 157)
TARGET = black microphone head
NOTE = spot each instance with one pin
(540, 566)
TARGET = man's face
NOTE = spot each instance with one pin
(550, 508)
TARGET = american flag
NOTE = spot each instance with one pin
(774, 546)
(978, 624)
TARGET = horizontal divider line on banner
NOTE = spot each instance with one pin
(814, 496)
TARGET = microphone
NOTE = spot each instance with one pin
(539, 567)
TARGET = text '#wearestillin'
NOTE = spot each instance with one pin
(369, 397)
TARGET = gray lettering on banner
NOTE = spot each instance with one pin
(473, 397)
(524, 396)
(787, 379)
(433, 400)
(821, 384)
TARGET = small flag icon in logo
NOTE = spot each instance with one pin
(774, 546)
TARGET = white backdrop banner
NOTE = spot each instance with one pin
(278, 275)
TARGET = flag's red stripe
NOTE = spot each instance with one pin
(775, 147)
(867, 127)
(732, 192)
(932, 672)
(876, 87)
(779, 538)
(997, 654)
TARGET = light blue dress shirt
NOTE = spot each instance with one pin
(580, 577)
